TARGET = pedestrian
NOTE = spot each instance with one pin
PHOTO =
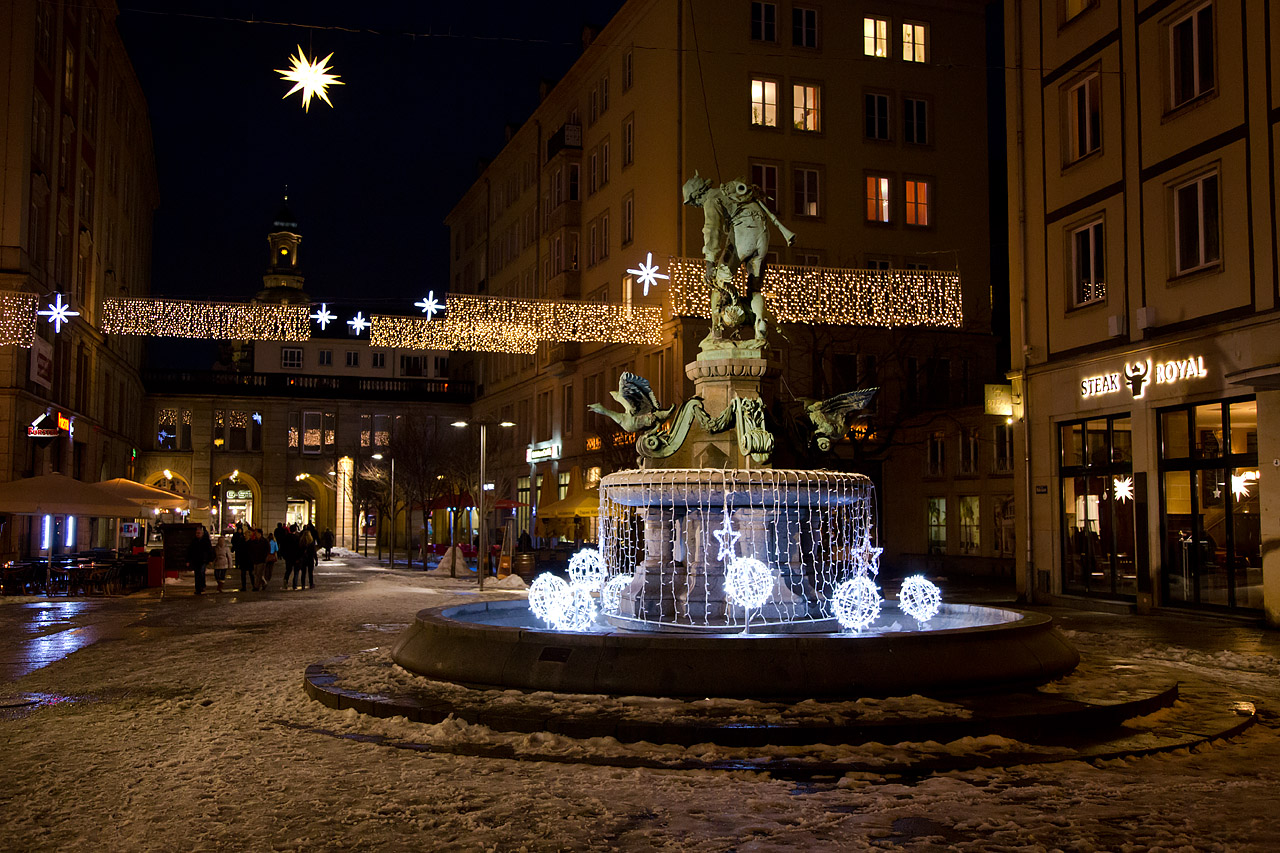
(306, 560)
(326, 542)
(199, 556)
(221, 560)
(287, 543)
(258, 553)
(273, 554)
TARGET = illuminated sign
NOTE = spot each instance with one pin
(542, 454)
(1137, 375)
(239, 494)
(49, 426)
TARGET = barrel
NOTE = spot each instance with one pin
(525, 565)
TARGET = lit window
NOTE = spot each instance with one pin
(970, 525)
(764, 21)
(1072, 8)
(1195, 223)
(804, 27)
(916, 198)
(764, 103)
(877, 199)
(875, 37)
(915, 121)
(805, 102)
(914, 37)
(291, 357)
(937, 522)
(1191, 55)
(806, 185)
(1088, 258)
(877, 116)
(1085, 116)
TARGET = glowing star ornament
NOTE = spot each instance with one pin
(919, 598)
(1122, 488)
(58, 313)
(857, 603)
(587, 569)
(430, 305)
(727, 537)
(358, 323)
(648, 273)
(324, 316)
(1240, 485)
(866, 559)
(311, 77)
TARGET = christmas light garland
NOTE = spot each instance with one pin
(827, 295)
(17, 318)
(223, 321)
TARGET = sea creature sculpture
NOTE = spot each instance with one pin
(831, 418)
(640, 408)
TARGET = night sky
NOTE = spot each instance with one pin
(371, 179)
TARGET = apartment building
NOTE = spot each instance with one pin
(1144, 292)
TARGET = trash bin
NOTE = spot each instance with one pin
(525, 565)
(155, 567)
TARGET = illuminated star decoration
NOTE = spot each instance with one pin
(430, 305)
(324, 316)
(257, 418)
(1240, 485)
(311, 77)
(164, 435)
(58, 313)
(866, 559)
(358, 323)
(648, 273)
(1122, 488)
(727, 537)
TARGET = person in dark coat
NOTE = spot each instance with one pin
(259, 549)
(306, 560)
(199, 555)
(240, 551)
(287, 546)
(326, 542)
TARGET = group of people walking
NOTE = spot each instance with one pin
(255, 555)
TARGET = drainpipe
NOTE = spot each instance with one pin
(1024, 312)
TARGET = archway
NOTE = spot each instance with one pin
(237, 497)
(310, 500)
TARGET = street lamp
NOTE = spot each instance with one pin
(482, 558)
(391, 553)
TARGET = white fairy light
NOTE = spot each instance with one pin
(587, 568)
(866, 559)
(430, 305)
(648, 273)
(727, 537)
(1122, 488)
(225, 321)
(358, 323)
(856, 603)
(748, 582)
(324, 316)
(311, 76)
(919, 598)
(577, 609)
(58, 313)
(611, 594)
(547, 597)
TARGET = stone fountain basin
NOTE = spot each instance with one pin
(494, 644)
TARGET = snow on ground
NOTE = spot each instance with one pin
(185, 727)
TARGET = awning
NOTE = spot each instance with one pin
(582, 504)
(58, 494)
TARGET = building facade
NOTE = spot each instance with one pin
(862, 122)
(1145, 285)
(77, 193)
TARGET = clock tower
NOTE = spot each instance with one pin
(282, 282)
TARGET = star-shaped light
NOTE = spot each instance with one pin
(1240, 485)
(866, 559)
(324, 317)
(164, 435)
(430, 305)
(358, 323)
(311, 76)
(648, 273)
(257, 418)
(1122, 488)
(58, 313)
(727, 537)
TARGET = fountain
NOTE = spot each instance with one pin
(719, 575)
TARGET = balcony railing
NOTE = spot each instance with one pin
(287, 385)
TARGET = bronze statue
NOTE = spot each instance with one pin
(831, 418)
(640, 409)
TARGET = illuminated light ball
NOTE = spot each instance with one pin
(748, 582)
(587, 568)
(578, 610)
(919, 598)
(548, 596)
(611, 595)
(857, 603)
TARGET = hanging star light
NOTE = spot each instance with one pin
(648, 273)
(430, 305)
(1122, 488)
(358, 323)
(311, 77)
(58, 313)
(727, 537)
(866, 559)
(1240, 485)
(324, 316)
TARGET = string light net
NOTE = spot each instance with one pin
(919, 598)
(804, 526)
(17, 318)
(223, 321)
(847, 297)
(586, 568)
(857, 603)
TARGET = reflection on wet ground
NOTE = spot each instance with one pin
(42, 632)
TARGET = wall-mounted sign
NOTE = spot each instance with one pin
(998, 399)
(542, 454)
(1137, 375)
(128, 529)
(42, 362)
(47, 427)
(239, 494)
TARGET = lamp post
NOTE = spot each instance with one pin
(391, 551)
(482, 557)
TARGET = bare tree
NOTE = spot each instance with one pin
(426, 463)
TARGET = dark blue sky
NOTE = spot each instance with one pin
(371, 179)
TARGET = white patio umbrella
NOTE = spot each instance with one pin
(151, 497)
(58, 494)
